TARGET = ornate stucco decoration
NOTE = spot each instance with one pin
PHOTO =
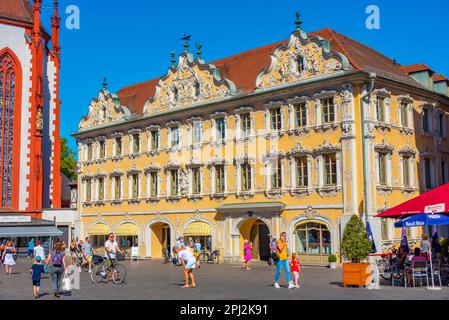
(172, 165)
(216, 161)
(311, 214)
(326, 147)
(152, 168)
(384, 148)
(407, 151)
(103, 110)
(272, 155)
(299, 150)
(244, 158)
(191, 82)
(194, 163)
(302, 58)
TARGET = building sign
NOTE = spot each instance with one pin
(435, 208)
(134, 251)
(14, 219)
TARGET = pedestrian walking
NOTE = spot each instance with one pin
(247, 254)
(31, 248)
(8, 257)
(2, 249)
(295, 267)
(188, 260)
(36, 275)
(56, 260)
(73, 251)
(273, 255)
(281, 250)
(88, 253)
(39, 251)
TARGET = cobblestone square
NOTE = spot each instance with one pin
(153, 280)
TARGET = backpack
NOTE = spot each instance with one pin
(56, 258)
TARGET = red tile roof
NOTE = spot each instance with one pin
(439, 78)
(19, 10)
(416, 68)
(243, 68)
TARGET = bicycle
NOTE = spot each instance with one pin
(388, 265)
(212, 257)
(116, 270)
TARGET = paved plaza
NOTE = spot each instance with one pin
(157, 281)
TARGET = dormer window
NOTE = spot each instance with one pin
(301, 66)
(176, 94)
(197, 89)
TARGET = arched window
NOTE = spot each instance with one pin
(7, 99)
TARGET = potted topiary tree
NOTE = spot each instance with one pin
(332, 261)
(355, 248)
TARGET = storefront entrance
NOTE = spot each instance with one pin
(313, 242)
(160, 238)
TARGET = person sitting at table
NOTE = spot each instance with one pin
(415, 258)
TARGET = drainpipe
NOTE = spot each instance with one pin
(373, 77)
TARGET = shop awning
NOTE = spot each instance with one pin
(99, 229)
(198, 229)
(32, 231)
(433, 201)
(127, 229)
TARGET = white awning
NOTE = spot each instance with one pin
(32, 231)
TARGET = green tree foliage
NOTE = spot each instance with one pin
(355, 246)
(68, 160)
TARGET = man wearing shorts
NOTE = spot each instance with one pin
(189, 261)
(87, 250)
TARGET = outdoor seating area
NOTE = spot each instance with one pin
(425, 265)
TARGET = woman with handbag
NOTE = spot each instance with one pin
(57, 262)
(8, 257)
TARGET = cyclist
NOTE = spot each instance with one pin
(111, 247)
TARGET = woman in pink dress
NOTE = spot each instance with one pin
(247, 254)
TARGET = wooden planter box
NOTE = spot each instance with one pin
(356, 274)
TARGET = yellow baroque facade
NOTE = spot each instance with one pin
(263, 142)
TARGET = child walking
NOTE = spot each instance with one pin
(295, 266)
(36, 273)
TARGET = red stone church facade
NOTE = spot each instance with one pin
(30, 178)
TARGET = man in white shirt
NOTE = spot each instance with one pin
(189, 261)
(111, 247)
(39, 251)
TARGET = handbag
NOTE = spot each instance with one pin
(46, 270)
(66, 283)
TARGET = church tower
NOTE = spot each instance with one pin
(29, 108)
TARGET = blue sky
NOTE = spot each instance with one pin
(130, 41)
